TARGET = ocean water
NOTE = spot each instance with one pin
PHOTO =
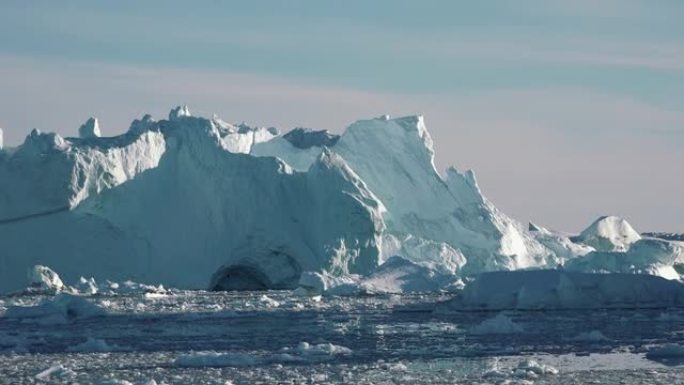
(277, 337)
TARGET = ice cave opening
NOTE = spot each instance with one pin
(239, 278)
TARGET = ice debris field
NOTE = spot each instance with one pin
(194, 251)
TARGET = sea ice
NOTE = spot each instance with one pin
(304, 352)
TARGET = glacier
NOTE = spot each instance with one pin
(199, 203)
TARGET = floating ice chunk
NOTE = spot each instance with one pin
(93, 345)
(268, 301)
(90, 129)
(325, 349)
(592, 336)
(86, 286)
(60, 309)
(44, 279)
(500, 324)
(304, 352)
(54, 371)
(526, 369)
(1, 139)
(535, 367)
(130, 287)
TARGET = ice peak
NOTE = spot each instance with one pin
(89, 129)
(140, 125)
(535, 228)
(40, 142)
(179, 112)
(609, 233)
(1, 139)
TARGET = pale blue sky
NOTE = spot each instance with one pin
(565, 109)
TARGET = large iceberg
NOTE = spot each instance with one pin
(191, 202)
(166, 202)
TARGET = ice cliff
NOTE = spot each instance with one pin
(192, 202)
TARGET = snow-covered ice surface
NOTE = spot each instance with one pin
(191, 337)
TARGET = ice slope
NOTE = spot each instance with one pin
(428, 217)
(167, 203)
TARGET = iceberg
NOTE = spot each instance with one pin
(166, 202)
(42, 279)
(199, 203)
(558, 289)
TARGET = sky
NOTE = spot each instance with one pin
(565, 110)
